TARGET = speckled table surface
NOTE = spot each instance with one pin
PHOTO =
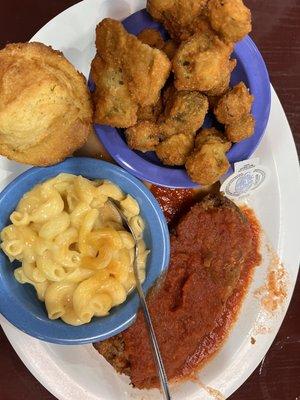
(277, 34)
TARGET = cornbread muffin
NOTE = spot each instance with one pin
(45, 107)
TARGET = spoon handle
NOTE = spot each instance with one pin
(153, 341)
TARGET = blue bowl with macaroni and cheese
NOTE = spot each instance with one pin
(19, 303)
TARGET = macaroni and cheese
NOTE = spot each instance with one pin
(73, 247)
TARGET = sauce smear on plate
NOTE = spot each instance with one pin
(173, 202)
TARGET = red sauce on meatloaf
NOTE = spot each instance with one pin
(214, 250)
(212, 341)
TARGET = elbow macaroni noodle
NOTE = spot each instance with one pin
(73, 247)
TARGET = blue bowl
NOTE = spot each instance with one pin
(19, 304)
(250, 69)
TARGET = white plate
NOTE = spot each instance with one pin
(77, 372)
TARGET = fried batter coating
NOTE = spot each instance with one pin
(152, 38)
(179, 17)
(150, 113)
(175, 149)
(215, 94)
(241, 129)
(233, 110)
(170, 48)
(145, 69)
(208, 162)
(113, 103)
(202, 63)
(206, 165)
(230, 18)
(144, 136)
(141, 69)
(211, 135)
(184, 112)
(45, 106)
(234, 104)
(223, 86)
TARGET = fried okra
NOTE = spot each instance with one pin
(183, 115)
(231, 19)
(150, 113)
(184, 112)
(211, 135)
(223, 86)
(208, 162)
(233, 110)
(152, 38)
(234, 104)
(113, 103)
(241, 129)
(170, 47)
(175, 149)
(179, 17)
(144, 136)
(127, 74)
(202, 63)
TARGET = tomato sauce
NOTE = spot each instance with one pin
(173, 202)
(212, 342)
(196, 304)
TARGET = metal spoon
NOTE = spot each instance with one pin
(154, 345)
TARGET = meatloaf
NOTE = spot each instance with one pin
(208, 249)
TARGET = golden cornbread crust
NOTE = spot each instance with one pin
(45, 107)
